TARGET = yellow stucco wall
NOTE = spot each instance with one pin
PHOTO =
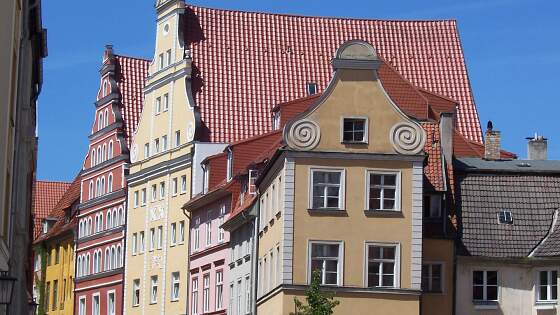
(439, 251)
(63, 272)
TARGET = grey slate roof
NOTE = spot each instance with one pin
(532, 197)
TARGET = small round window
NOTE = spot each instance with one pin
(166, 29)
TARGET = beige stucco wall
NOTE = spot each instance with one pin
(61, 271)
(439, 251)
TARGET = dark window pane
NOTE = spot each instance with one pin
(316, 250)
(390, 180)
(374, 204)
(348, 136)
(359, 136)
(373, 280)
(332, 202)
(318, 177)
(375, 179)
(332, 266)
(477, 293)
(375, 252)
(554, 277)
(387, 281)
(492, 293)
(388, 268)
(330, 278)
(389, 193)
(554, 292)
(373, 267)
(436, 285)
(375, 193)
(388, 204)
(389, 252)
(333, 177)
(332, 250)
(478, 277)
(316, 265)
(543, 294)
(318, 202)
(492, 277)
(333, 191)
(543, 277)
(436, 270)
(425, 271)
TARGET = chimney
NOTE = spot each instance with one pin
(537, 148)
(446, 135)
(492, 143)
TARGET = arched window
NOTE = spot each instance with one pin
(107, 259)
(109, 223)
(110, 183)
(99, 121)
(120, 215)
(102, 186)
(104, 152)
(101, 221)
(115, 218)
(87, 264)
(110, 150)
(98, 154)
(113, 257)
(89, 226)
(80, 228)
(90, 192)
(92, 158)
(106, 121)
(79, 271)
(118, 258)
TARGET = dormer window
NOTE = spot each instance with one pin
(45, 226)
(311, 88)
(354, 130)
(276, 120)
(505, 217)
(229, 164)
(253, 174)
(205, 177)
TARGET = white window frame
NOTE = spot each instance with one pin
(175, 282)
(141, 242)
(143, 196)
(341, 192)
(134, 243)
(165, 102)
(205, 177)
(153, 284)
(442, 278)
(366, 129)
(208, 230)
(175, 188)
(163, 143)
(136, 287)
(160, 237)
(173, 233)
(109, 293)
(82, 305)
(485, 285)
(397, 269)
(538, 299)
(219, 290)
(161, 190)
(206, 292)
(158, 105)
(152, 238)
(196, 236)
(247, 294)
(177, 138)
(398, 188)
(136, 199)
(93, 298)
(183, 184)
(181, 238)
(221, 232)
(146, 150)
(194, 295)
(229, 165)
(340, 271)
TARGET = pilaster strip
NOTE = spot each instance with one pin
(416, 241)
(288, 226)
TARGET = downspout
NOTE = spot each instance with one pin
(254, 266)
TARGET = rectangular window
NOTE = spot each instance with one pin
(239, 296)
(327, 258)
(165, 102)
(168, 57)
(205, 177)
(146, 150)
(229, 166)
(173, 234)
(141, 242)
(382, 266)
(247, 294)
(160, 237)
(219, 290)
(273, 200)
(82, 306)
(311, 88)
(278, 268)
(111, 305)
(175, 186)
(95, 307)
(163, 143)
(57, 255)
(194, 298)
(158, 106)
(156, 145)
(152, 239)
(154, 192)
(196, 238)
(548, 286)
(136, 292)
(136, 199)
(134, 237)
(354, 130)
(160, 59)
(183, 184)
(327, 190)
(276, 120)
(177, 138)
(432, 206)
(208, 228)
(143, 196)
(175, 285)
(272, 269)
(206, 293)
(230, 306)
(221, 232)
(383, 191)
(47, 295)
(485, 285)
(154, 289)
(161, 190)
(55, 294)
(432, 278)
(181, 231)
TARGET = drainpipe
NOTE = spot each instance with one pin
(255, 260)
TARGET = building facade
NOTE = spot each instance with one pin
(103, 197)
(55, 252)
(20, 84)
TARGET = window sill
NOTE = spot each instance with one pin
(383, 213)
(545, 305)
(353, 142)
(174, 300)
(328, 212)
(485, 305)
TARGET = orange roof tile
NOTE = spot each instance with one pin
(46, 195)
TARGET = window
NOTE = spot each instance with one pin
(382, 261)
(311, 88)
(432, 206)
(173, 234)
(153, 290)
(110, 150)
(548, 286)
(206, 293)
(111, 306)
(247, 294)
(272, 269)
(165, 102)
(156, 145)
(163, 143)
(110, 183)
(485, 285)
(134, 245)
(253, 175)
(90, 192)
(181, 231)
(383, 192)
(183, 184)
(160, 58)
(143, 195)
(221, 233)
(152, 238)
(278, 268)
(276, 120)
(57, 255)
(168, 57)
(146, 150)
(100, 121)
(230, 306)
(175, 285)
(208, 227)
(194, 298)
(205, 177)
(175, 186)
(159, 237)
(177, 138)
(136, 199)
(505, 217)
(141, 242)
(219, 290)
(327, 189)
(95, 308)
(81, 307)
(161, 190)
(154, 192)
(47, 295)
(354, 130)
(327, 258)
(55, 294)
(229, 170)
(136, 292)
(239, 296)
(196, 237)
(432, 277)
(92, 161)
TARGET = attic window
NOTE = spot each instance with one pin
(229, 169)
(311, 88)
(354, 130)
(276, 120)
(505, 217)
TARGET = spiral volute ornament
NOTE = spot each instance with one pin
(304, 135)
(407, 138)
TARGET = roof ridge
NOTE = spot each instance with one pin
(255, 137)
(52, 181)
(453, 21)
(131, 57)
(436, 94)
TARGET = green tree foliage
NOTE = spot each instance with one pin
(318, 302)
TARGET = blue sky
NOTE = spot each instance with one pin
(511, 48)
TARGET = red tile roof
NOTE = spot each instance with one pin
(46, 195)
(463, 147)
(245, 62)
(433, 168)
(131, 78)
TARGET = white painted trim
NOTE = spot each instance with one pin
(397, 269)
(115, 300)
(101, 243)
(398, 189)
(288, 218)
(366, 130)
(443, 278)
(341, 193)
(340, 271)
(536, 287)
(97, 285)
(416, 218)
(105, 206)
